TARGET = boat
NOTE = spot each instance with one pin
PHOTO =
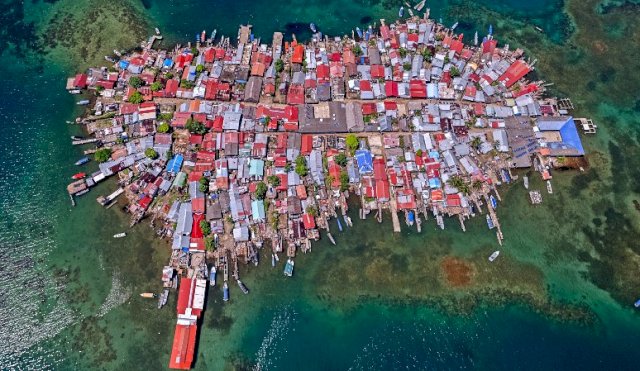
(213, 34)
(148, 295)
(273, 260)
(288, 268)
(490, 222)
(475, 39)
(77, 137)
(410, 218)
(78, 176)
(225, 291)
(347, 220)
(637, 304)
(401, 12)
(203, 35)
(493, 256)
(120, 235)
(549, 188)
(243, 287)
(312, 27)
(331, 238)
(163, 298)
(526, 182)
(83, 102)
(84, 191)
(157, 31)
(339, 224)
(277, 258)
(82, 161)
(116, 52)
(212, 276)
(538, 29)
(494, 203)
(420, 5)
(440, 221)
(359, 32)
(454, 26)
(490, 30)
(75, 91)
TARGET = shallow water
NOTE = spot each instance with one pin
(559, 296)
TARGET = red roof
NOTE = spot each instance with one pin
(171, 88)
(489, 46)
(391, 88)
(368, 108)
(298, 54)
(80, 81)
(515, 72)
(184, 292)
(453, 200)
(307, 144)
(365, 85)
(382, 190)
(417, 89)
(308, 220)
(379, 169)
(322, 72)
(377, 71)
(184, 344)
(196, 232)
(295, 94)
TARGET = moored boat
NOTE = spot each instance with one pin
(312, 27)
(273, 260)
(120, 235)
(75, 91)
(494, 256)
(549, 188)
(82, 161)
(212, 276)
(83, 102)
(225, 291)
(489, 222)
(331, 238)
(526, 182)
(243, 287)
(494, 203)
(637, 304)
(339, 224)
(77, 137)
(148, 295)
(347, 220)
(78, 176)
(288, 268)
(359, 32)
(401, 12)
(454, 26)
(162, 300)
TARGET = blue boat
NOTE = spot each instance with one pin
(339, 224)
(225, 291)
(490, 30)
(198, 37)
(637, 304)
(401, 12)
(489, 222)
(494, 203)
(359, 32)
(82, 161)
(288, 268)
(312, 27)
(506, 175)
(411, 217)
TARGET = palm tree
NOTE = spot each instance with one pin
(456, 182)
(476, 142)
(476, 185)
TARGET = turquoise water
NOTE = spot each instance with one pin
(558, 298)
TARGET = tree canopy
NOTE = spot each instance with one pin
(163, 128)
(195, 127)
(135, 81)
(156, 86)
(341, 159)
(273, 180)
(344, 181)
(151, 153)
(352, 142)
(301, 166)
(102, 155)
(205, 227)
(136, 98)
(261, 190)
(454, 72)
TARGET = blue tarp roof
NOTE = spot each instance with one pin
(435, 183)
(568, 132)
(168, 62)
(174, 165)
(123, 64)
(365, 161)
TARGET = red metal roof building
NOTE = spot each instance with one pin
(515, 72)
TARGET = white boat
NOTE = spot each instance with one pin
(454, 26)
(119, 235)
(494, 255)
(549, 188)
(212, 276)
(475, 39)
(288, 268)
(157, 31)
(75, 91)
(401, 12)
(420, 5)
(526, 182)
(83, 102)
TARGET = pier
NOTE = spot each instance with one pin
(83, 141)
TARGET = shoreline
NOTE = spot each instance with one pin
(408, 162)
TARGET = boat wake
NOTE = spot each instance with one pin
(267, 356)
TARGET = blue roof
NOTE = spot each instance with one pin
(124, 64)
(568, 132)
(174, 165)
(435, 183)
(365, 161)
(168, 62)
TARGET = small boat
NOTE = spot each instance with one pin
(203, 35)
(83, 102)
(213, 34)
(157, 31)
(225, 291)
(77, 137)
(331, 238)
(116, 52)
(347, 220)
(401, 12)
(120, 235)
(273, 260)
(420, 5)
(163, 298)
(494, 203)
(637, 304)
(490, 30)
(288, 268)
(243, 287)
(75, 91)
(489, 222)
(359, 32)
(410, 218)
(148, 295)
(339, 224)
(526, 182)
(109, 59)
(78, 176)
(454, 26)
(538, 29)
(212, 276)
(440, 221)
(312, 27)
(493, 256)
(549, 188)
(475, 39)
(82, 161)
(83, 192)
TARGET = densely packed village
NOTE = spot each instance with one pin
(232, 149)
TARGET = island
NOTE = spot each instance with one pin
(233, 149)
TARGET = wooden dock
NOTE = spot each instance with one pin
(83, 141)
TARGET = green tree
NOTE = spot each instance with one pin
(165, 116)
(99, 88)
(476, 185)
(163, 128)
(279, 66)
(136, 98)
(476, 143)
(341, 159)
(357, 50)
(273, 180)
(402, 52)
(156, 86)
(406, 66)
(151, 153)
(352, 142)
(344, 181)
(301, 166)
(168, 75)
(205, 227)
(204, 184)
(454, 72)
(199, 68)
(186, 84)
(261, 190)
(102, 155)
(195, 127)
(419, 153)
(135, 81)
(311, 210)
(426, 54)
(209, 244)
